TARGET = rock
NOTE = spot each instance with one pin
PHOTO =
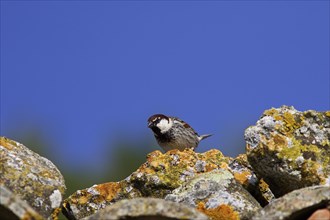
(12, 207)
(164, 172)
(88, 201)
(299, 204)
(30, 177)
(245, 175)
(157, 177)
(217, 194)
(290, 149)
(147, 208)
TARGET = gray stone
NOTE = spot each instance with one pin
(217, 194)
(31, 177)
(12, 207)
(147, 208)
(156, 178)
(290, 149)
(245, 175)
(298, 204)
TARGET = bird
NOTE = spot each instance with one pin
(173, 133)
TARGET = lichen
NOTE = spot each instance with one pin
(243, 176)
(298, 204)
(303, 150)
(55, 199)
(157, 177)
(175, 167)
(32, 177)
(292, 154)
(213, 190)
(222, 212)
(286, 115)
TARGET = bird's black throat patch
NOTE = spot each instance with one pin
(162, 137)
(156, 130)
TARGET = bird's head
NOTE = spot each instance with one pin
(160, 123)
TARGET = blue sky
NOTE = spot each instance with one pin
(85, 73)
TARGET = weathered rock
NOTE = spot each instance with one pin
(245, 175)
(299, 204)
(164, 172)
(88, 201)
(30, 177)
(217, 194)
(290, 149)
(147, 208)
(157, 177)
(12, 207)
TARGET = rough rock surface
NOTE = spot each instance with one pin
(12, 207)
(157, 177)
(147, 208)
(245, 175)
(217, 194)
(290, 149)
(299, 204)
(30, 177)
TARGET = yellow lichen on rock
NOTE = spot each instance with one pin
(222, 212)
(290, 149)
(31, 177)
(157, 177)
(7, 143)
(242, 177)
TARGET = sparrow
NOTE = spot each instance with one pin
(173, 133)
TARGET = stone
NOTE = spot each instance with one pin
(12, 207)
(31, 177)
(290, 149)
(298, 204)
(88, 201)
(157, 177)
(147, 208)
(217, 194)
(164, 172)
(244, 174)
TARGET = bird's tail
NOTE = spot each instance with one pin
(202, 137)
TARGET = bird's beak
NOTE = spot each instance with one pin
(149, 124)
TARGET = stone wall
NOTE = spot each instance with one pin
(284, 174)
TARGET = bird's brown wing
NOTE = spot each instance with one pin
(185, 125)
